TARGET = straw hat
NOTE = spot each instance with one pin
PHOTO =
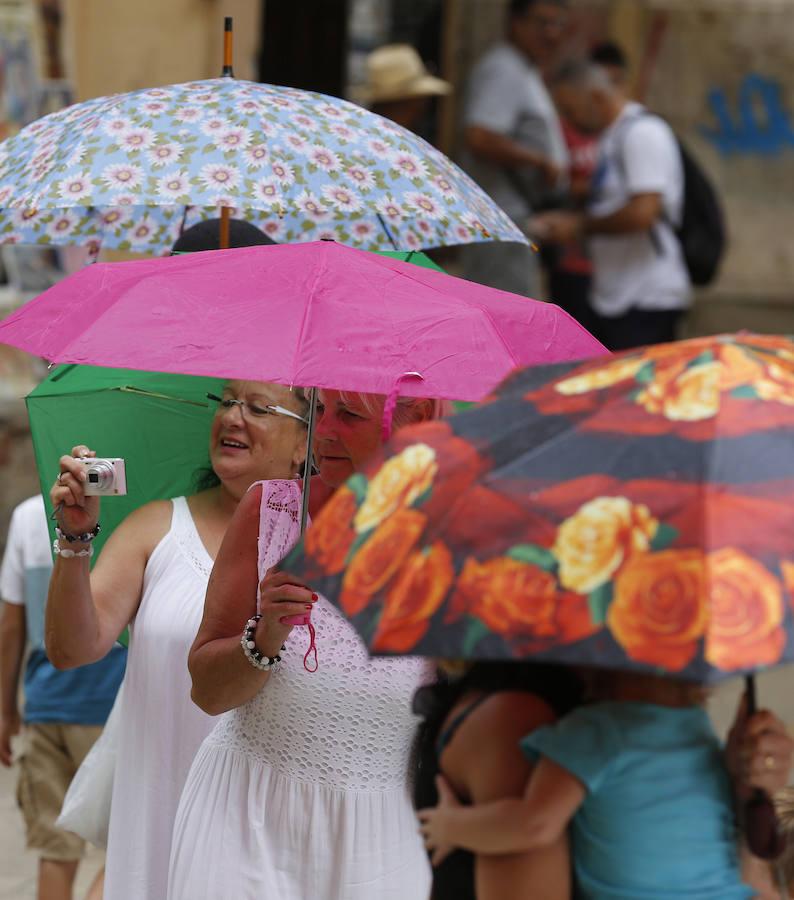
(396, 72)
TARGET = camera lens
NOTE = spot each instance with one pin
(100, 474)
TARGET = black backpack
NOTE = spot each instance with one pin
(702, 232)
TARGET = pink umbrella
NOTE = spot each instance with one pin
(317, 314)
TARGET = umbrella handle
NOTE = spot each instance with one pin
(228, 71)
(761, 826)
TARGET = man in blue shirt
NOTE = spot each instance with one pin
(64, 711)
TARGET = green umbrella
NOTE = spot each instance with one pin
(158, 423)
(412, 256)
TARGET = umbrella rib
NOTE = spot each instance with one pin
(321, 269)
(142, 392)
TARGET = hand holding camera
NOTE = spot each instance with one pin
(82, 480)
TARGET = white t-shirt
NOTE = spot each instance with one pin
(506, 94)
(638, 154)
(27, 565)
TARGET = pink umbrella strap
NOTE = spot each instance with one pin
(391, 402)
(312, 650)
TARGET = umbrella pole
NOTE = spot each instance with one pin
(227, 71)
(307, 469)
(761, 827)
(223, 241)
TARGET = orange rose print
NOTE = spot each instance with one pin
(509, 596)
(737, 367)
(746, 612)
(689, 395)
(787, 568)
(574, 621)
(593, 543)
(398, 482)
(777, 383)
(379, 558)
(659, 611)
(417, 592)
(331, 535)
(601, 376)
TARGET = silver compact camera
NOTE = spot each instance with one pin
(105, 477)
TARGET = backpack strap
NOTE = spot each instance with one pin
(620, 161)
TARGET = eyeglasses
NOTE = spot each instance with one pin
(254, 410)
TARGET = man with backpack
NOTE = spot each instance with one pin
(648, 238)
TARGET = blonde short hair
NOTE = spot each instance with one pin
(404, 411)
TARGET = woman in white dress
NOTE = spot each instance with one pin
(302, 791)
(152, 575)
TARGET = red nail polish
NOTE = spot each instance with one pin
(315, 596)
(308, 607)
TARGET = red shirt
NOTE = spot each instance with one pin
(583, 153)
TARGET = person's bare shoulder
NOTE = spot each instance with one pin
(484, 758)
(146, 526)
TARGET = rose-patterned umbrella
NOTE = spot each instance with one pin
(629, 512)
(129, 171)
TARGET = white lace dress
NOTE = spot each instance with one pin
(303, 793)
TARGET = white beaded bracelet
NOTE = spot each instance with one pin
(252, 653)
(68, 554)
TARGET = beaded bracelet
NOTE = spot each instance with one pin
(84, 538)
(255, 656)
(69, 554)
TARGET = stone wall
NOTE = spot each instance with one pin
(112, 46)
(724, 79)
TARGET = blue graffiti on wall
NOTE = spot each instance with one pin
(761, 124)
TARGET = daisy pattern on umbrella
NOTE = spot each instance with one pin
(123, 176)
(256, 156)
(313, 207)
(341, 198)
(25, 216)
(424, 204)
(61, 224)
(324, 159)
(138, 138)
(117, 126)
(332, 161)
(274, 229)
(234, 138)
(408, 164)
(162, 154)
(362, 177)
(75, 187)
(175, 185)
(219, 176)
(284, 173)
(390, 209)
(267, 190)
(189, 114)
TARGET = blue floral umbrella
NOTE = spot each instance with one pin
(131, 170)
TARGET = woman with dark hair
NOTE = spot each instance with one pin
(473, 720)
